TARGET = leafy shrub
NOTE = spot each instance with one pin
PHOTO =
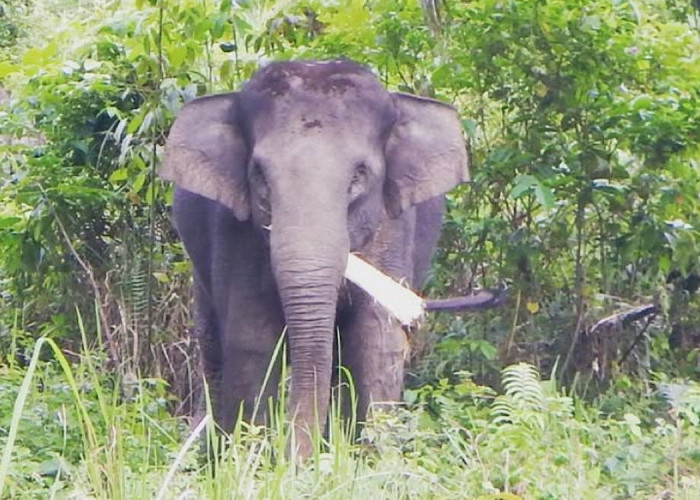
(583, 126)
(79, 435)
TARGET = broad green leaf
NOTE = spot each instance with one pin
(135, 122)
(39, 56)
(150, 192)
(121, 174)
(488, 350)
(470, 127)
(9, 221)
(544, 195)
(523, 184)
(218, 27)
(177, 55)
(227, 69)
(138, 182)
(7, 68)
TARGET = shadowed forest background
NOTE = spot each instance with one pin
(583, 124)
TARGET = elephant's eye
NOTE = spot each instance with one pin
(358, 184)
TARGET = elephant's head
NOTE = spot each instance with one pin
(322, 153)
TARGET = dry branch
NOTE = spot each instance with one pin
(624, 318)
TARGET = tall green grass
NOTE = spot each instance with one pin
(456, 440)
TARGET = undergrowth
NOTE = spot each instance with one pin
(69, 429)
(583, 123)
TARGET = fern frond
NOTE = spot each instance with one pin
(135, 286)
(521, 383)
(682, 397)
(502, 410)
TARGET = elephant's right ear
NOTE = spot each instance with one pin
(425, 153)
(205, 153)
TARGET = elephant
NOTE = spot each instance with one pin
(275, 185)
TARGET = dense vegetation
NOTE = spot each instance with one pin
(583, 120)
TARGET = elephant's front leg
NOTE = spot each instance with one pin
(373, 347)
(250, 333)
(209, 342)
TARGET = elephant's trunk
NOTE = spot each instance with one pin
(308, 263)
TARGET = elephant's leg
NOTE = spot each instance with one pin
(208, 340)
(248, 314)
(373, 347)
(373, 344)
(248, 343)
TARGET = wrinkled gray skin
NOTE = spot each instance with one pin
(334, 164)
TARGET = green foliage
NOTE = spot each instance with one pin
(78, 435)
(61, 416)
(537, 443)
(10, 21)
(584, 129)
(582, 120)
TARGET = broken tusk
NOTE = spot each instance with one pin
(401, 302)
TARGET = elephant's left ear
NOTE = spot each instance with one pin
(425, 153)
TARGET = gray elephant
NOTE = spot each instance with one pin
(275, 185)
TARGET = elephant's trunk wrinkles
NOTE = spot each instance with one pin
(308, 264)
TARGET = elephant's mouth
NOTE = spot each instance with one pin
(400, 301)
(345, 298)
(264, 232)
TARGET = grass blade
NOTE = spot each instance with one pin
(17, 413)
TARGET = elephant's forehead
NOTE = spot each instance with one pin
(322, 78)
(307, 114)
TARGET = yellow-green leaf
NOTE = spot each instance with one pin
(7, 68)
(161, 277)
(119, 175)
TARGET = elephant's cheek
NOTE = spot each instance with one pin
(363, 221)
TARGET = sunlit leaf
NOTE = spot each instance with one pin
(118, 175)
(544, 195)
(139, 181)
(532, 307)
(9, 221)
(523, 184)
(7, 68)
(177, 55)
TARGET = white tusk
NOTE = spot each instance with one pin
(401, 302)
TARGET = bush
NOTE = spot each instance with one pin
(583, 124)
